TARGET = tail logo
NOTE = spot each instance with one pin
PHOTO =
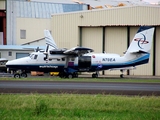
(141, 40)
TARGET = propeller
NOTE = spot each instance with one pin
(37, 49)
(46, 52)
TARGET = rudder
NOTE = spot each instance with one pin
(142, 41)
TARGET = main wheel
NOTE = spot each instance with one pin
(94, 75)
(75, 75)
(121, 75)
(70, 76)
(17, 75)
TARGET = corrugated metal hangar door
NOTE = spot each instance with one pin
(115, 42)
(20, 55)
(145, 69)
(157, 55)
(92, 38)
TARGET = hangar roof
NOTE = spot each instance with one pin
(43, 9)
(98, 3)
(117, 16)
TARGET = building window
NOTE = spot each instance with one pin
(9, 53)
(23, 34)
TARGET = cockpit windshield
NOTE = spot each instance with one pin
(33, 56)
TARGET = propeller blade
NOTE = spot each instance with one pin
(37, 49)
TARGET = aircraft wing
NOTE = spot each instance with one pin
(78, 51)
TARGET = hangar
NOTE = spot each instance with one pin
(109, 30)
(23, 21)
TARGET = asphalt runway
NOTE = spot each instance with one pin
(80, 87)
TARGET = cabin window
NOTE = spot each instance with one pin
(9, 53)
(63, 59)
(72, 59)
(58, 59)
(35, 57)
(23, 34)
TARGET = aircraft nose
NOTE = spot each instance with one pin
(11, 63)
(8, 63)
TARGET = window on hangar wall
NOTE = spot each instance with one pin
(23, 34)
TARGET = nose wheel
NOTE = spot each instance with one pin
(24, 75)
(19, 75)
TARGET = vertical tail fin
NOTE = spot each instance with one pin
(49, 39)
(139, 50)
(142, 41)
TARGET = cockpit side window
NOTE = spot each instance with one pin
(35, 57)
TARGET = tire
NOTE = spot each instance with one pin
(70, 76)
(121, 75)
(24, 75)
(75, 75)
(94, 75)
(17, 75)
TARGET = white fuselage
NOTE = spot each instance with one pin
(88, 62)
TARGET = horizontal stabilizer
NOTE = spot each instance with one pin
(140, 51)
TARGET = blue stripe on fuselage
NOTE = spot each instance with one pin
(142, 60)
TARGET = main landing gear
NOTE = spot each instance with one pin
(121, 75)
(95, 75)
(68, 75)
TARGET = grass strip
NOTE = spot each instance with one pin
(78, 107)
(131, 80)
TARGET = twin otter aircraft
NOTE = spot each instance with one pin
(80, 59)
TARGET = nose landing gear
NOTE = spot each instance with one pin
(19, 74)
